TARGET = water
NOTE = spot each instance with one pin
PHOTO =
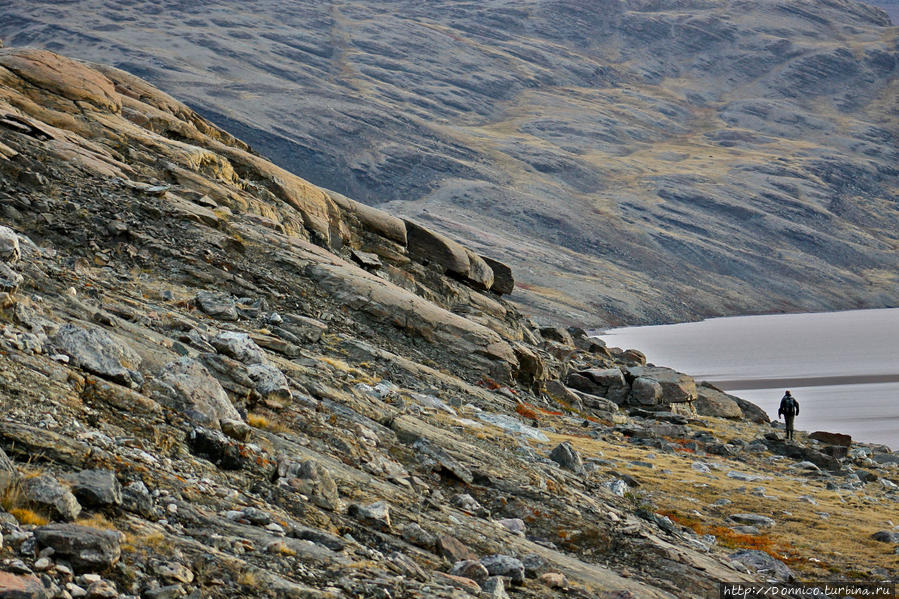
(843, 367)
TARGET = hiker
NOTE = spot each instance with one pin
(789, 409)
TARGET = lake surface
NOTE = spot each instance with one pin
(842, 367)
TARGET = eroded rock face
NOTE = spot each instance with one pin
(187, 387)
(661, 387)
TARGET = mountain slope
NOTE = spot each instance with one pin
(636, 161)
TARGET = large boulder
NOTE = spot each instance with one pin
(660, 388)
(96, 488)
(372, 219)
(96, 351)
(186, 386)
(837, 439)
(86, 549)
(608, 383)
(503, 281)
(426, 245)
(715, 403)
(9, 245)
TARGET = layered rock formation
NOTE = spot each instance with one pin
(635, 161)
(220, 380)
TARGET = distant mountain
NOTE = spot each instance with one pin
(891, 7)
(635, 161)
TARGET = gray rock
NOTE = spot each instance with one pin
(271, 384)
(10, 280)
(96, 488)
(608, 383)
(567, 457)
(50, 497)
(9, 245)
(305, 328)
(763, 563)
(172, 591)
(415, 534)
(13, 586)
(87, 549)
(504, 565)
(377, 514)
(494, 588)
(238, 346)
(188, 388)
(236, 429)
(716, 403)
(515, 525)
(673, 387)
(753, 520)
(136, 498)
(426, 245)
(97, 352)
(217, 305)
(503, 281)
(886, 536)
(470, 568)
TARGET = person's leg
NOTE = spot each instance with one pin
(789, 426)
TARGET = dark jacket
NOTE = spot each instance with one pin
(788, 406)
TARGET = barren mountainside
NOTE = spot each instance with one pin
(636, 161)
(219, 380)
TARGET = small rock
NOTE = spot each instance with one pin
(886, 536)
(216, 447)
(10, 280)
(136, 498)
(467, 503)
(494, 588)
(217, 305)
(377, 513)
(460, 582)
(313, 480)
(238, 346)
(753, 520)
(764, 564)
(236, 429)
(567, 457)
(470, 568)
(504, 565)
(554, 580)
(415, 534)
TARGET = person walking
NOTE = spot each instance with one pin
(789, 409)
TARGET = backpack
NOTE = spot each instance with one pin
(789, 406)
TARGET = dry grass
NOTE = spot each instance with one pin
(815, 545)
(96, 521)
(28, 516)
(257, 420)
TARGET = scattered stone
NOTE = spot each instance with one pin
(238, 346)
(102, 589)
(236, 429)
(10, 280)
(504, 565)
(472, 569)
(271, 384)
(217, 305)
(886, 536)
(764, 564)
(415, 534)
(753, 520)
(515, 525)
(377, 514)
(172, 572)
(459, 582)
(85, 548)
(136, 499)
(567, 457)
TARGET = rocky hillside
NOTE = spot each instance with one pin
(635, 161)
(218, 380)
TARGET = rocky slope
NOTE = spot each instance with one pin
(737, 156)
(218, 380)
